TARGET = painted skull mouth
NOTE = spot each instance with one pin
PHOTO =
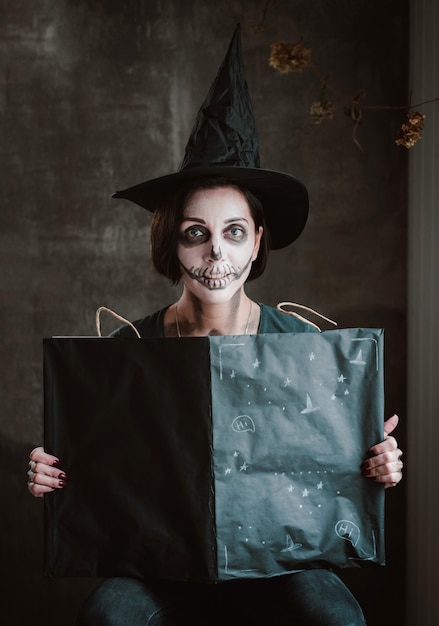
(216, 277)
(218, 272)
(216, 283)
(213, 279)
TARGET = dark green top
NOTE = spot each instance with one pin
(272, 321)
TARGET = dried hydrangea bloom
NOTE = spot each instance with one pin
(321, 110)
(410, 133)
(416, 118)
(289, 57)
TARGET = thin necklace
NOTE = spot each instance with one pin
(176, 320)
(247, 325)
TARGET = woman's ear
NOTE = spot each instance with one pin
(258, 237)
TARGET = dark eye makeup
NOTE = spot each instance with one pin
(194, 234)
(197, 233)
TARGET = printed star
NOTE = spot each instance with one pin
(256, 363)
(333, 396)
(243, 467)
(312, 356)
(286, 382)
(236, 453)
(228, 471)
(290, 488)
(320, 485)
(341, 378)
(232, 375)
(305, 493)
(346, 393)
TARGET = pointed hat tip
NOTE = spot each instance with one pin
(225, 129)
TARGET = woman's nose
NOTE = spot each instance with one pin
(215, 252)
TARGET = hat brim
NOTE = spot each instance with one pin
(283, 197)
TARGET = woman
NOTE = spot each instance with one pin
(214, 242)
(212, 227)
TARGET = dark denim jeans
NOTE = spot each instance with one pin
(308, 598)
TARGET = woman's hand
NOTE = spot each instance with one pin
(384, 464)
(44, 473)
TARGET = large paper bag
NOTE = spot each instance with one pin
(214, 458)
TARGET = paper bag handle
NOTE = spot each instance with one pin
(278, 306)
(300, 317)
(119, 317)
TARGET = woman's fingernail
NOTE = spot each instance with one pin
(56, 462)
(367, 472)
(62, 483)
(62, 476)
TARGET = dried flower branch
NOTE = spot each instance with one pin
(410, 133)
(355, 112)
(287, 58)
(322, 109)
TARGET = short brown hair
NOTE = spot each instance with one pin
(167, 218)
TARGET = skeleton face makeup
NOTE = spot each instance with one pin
(217, 243)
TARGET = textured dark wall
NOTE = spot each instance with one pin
(98, 95)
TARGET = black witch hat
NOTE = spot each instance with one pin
(224, 142)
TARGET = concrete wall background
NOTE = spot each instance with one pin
(98, 95)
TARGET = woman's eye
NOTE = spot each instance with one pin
(194, 233)
(237, 233)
